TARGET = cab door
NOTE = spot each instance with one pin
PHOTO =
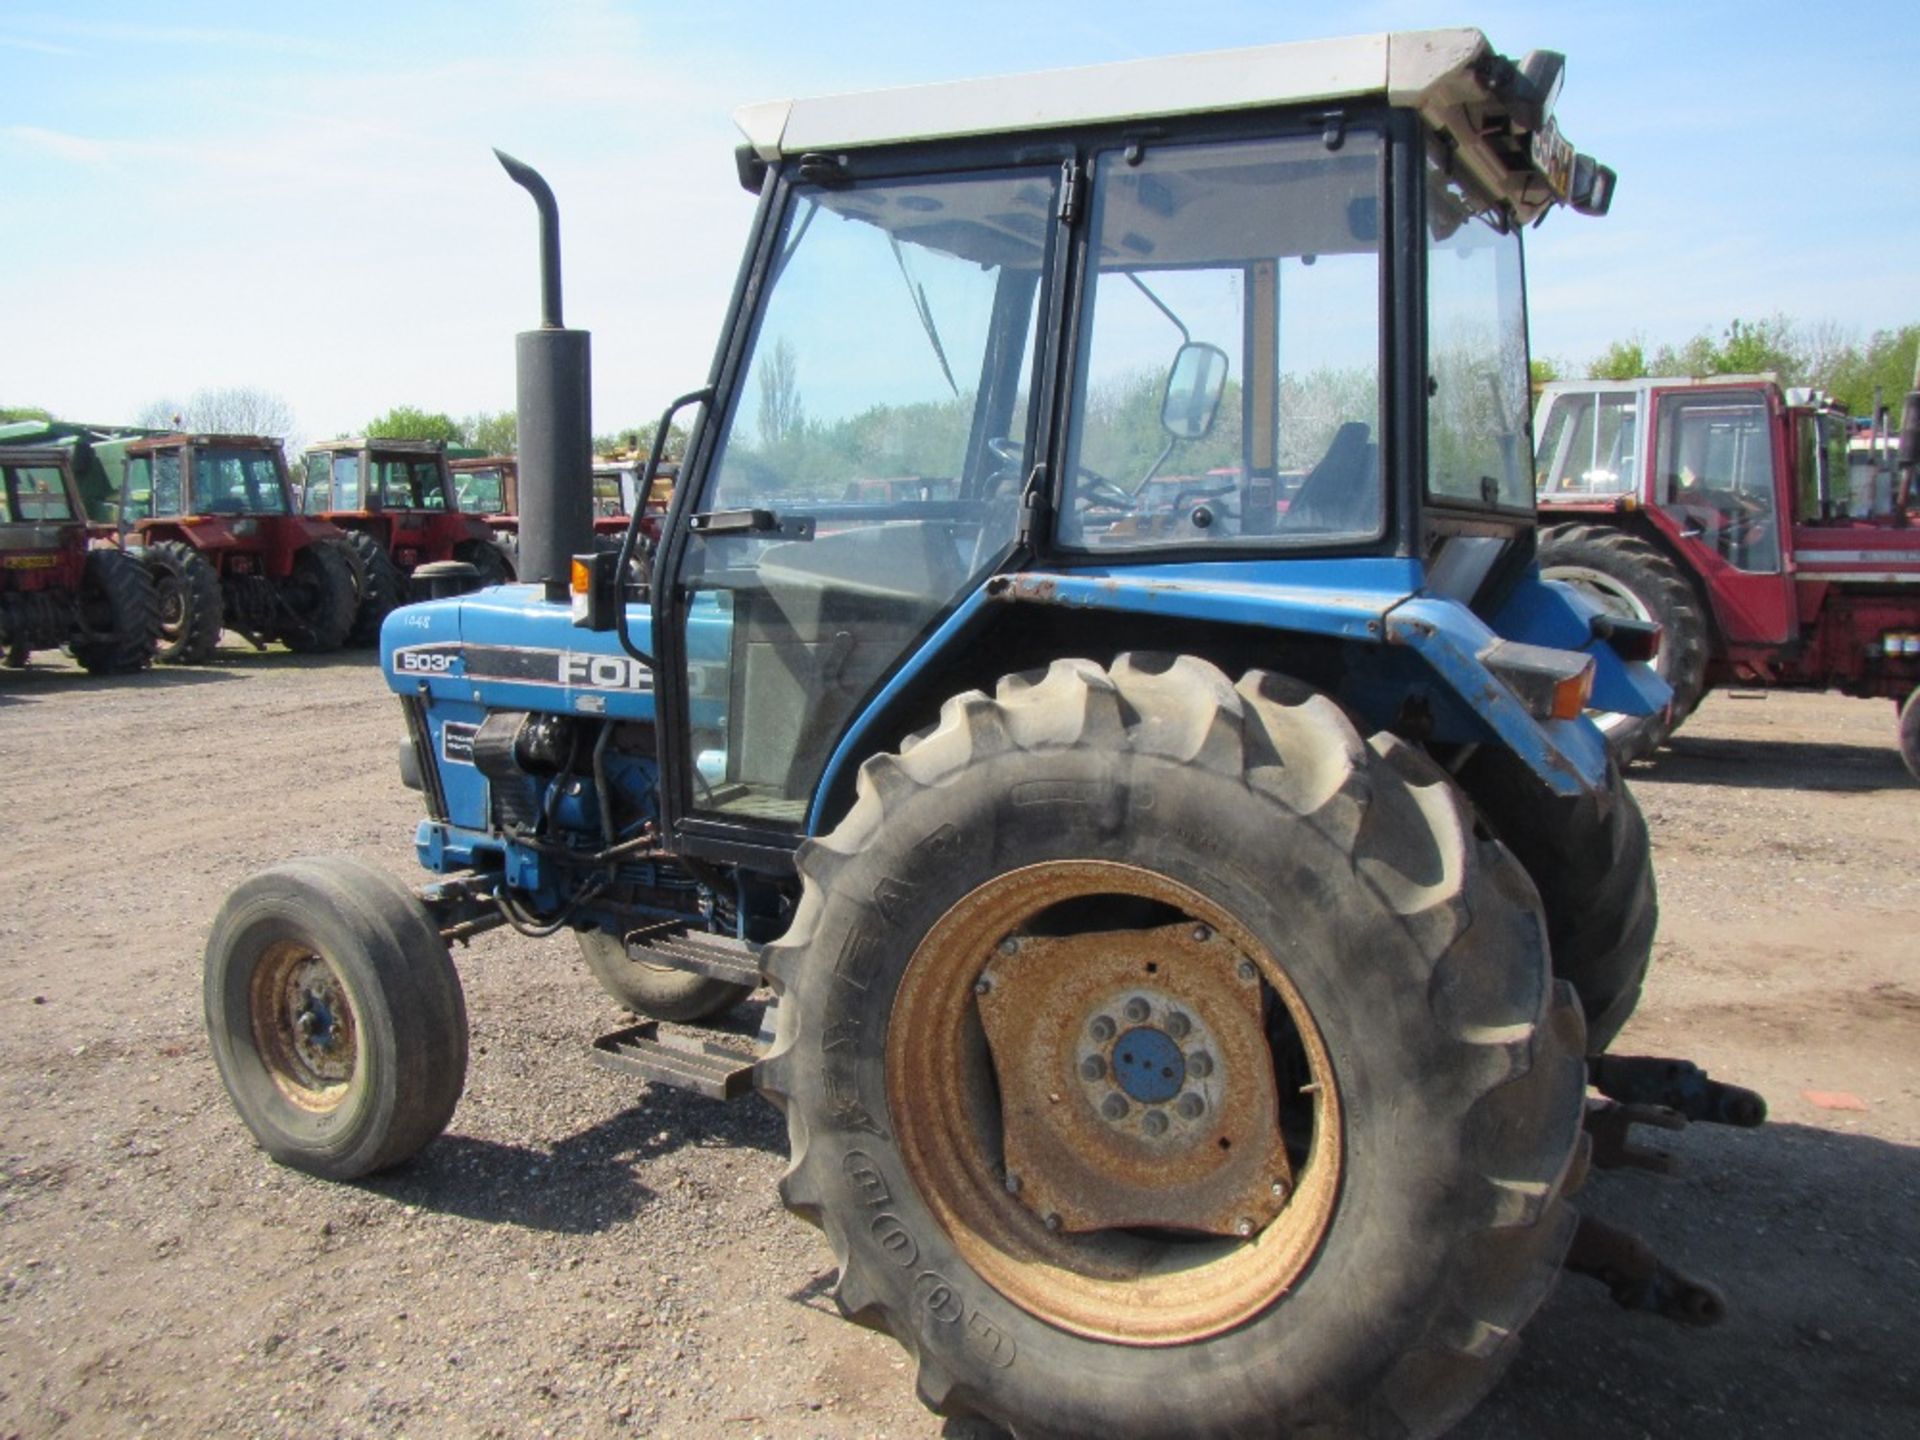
(860, 475)
(1719, 455)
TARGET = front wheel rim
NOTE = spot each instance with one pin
(304, 1027)
(1126, 1283)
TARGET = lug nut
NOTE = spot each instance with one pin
(1155, 1122)
(1012, 1183)
(1009, 945)
(1246, 971)
(1279, 1189)
(1178, 1025)
(1243, 1227)
(1092, 1068)
(1202, 933)
(1114, 1107)
(1052, 1221)
(1102, 1028)
(1190, 1106)
(1138, 1009)
(1200, 1065)
(983, 986)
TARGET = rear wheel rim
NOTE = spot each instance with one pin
(1124, 1284)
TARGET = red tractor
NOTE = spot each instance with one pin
(397, 502)
(55, 589)
(489, 486)
(213, 517)
(1721, 509)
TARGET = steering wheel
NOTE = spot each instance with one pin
(1097, 489)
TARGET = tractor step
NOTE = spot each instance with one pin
(680, 1061)
(718, 957)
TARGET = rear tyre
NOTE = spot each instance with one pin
(381, 587)
(1592, 862)
(191, 610)
(1403, 1216)
(120, 605)
(1627, 576)
(319, 599)
(336, 1016)
(16, 657)
(1910, 733)
(660, 992)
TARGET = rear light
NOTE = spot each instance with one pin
(1552, 684)
(1900, 643)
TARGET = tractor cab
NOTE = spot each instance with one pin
(617, 494)
(1004, 375)
(403, 496)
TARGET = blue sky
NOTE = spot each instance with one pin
(302, 197)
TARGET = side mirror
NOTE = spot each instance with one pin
(1591, 190)
(1195, 383)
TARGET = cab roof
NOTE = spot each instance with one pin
(1487, 106)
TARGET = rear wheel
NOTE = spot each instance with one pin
(191, 610)
(1162, 1057)
(1910, 733)
(1626, 576)
(381, 586)
(336, 1016)
(318, 600)
(1592, 861)
(662, 992)
(120, 606)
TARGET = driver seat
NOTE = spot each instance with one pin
(1337, 494)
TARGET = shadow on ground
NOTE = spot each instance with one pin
(1775, 765)
(1813, 1236)
(585, 1183)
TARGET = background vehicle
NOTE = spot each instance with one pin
(1724, 510)
(1187, 933)
(55, 588)
(213, 519)
(489, 486)
(397, 503)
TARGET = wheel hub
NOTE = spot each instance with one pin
(1146, 1095)
(303, 1026)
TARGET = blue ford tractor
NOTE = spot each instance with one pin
(1095, 672)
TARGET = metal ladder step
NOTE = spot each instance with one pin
(718, 957)
(681, 1062)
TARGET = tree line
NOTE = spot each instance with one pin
(1818, 353)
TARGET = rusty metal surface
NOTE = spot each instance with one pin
(945, 1095)
(304, 1027)
(1136, 1085)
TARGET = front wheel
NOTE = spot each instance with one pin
(661, 992)
(319, 599)
(120, 607)
(192, 612)
(336, 1016)
(1162, 1057)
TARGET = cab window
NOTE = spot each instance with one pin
(1716, 475)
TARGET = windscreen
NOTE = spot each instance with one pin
(1227, 386)
(34, 493)
(228, 481)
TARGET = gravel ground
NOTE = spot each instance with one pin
(583, 1256)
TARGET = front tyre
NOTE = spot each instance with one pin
(335, 1015)
(661, 992)
(1160, 1057)
(120, 607)
(319, 599)
(192, 612)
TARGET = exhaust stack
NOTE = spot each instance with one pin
(554, 409)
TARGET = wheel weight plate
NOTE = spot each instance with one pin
(1137, 1088)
